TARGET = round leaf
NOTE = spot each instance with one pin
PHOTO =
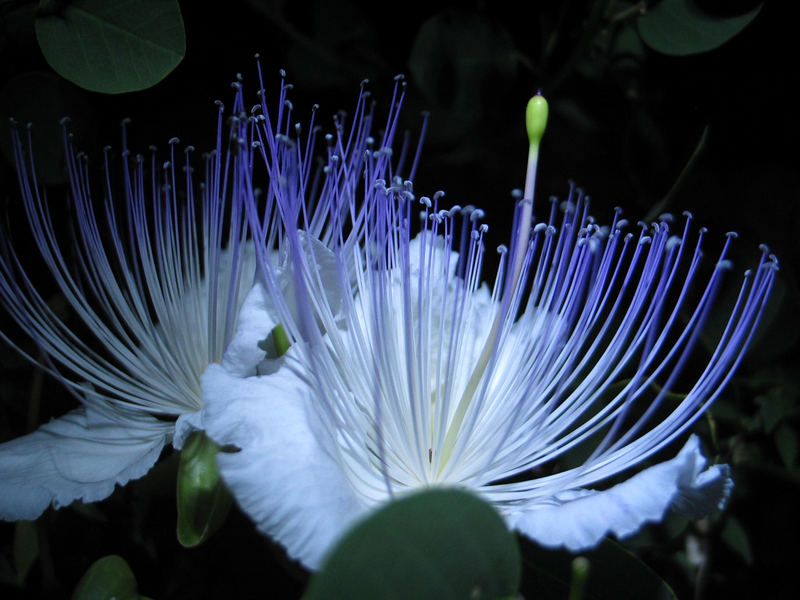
(108, 577)
(680, 27)
(435, 544)
(112, 46)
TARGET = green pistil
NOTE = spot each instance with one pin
(535, 123)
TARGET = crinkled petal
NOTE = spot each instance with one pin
(702, 491)
(580, 519)
(79, 456)
(244, 355)
(186, 424)
(325, 267)
(282, 476)
(256, 320)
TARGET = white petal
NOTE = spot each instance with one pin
(256, 320)
(703, 492)
(580, 519)
(186, 424)
(79, 456)
(258, 316)
(325, 289)
(282, 477)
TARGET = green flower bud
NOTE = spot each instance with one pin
(203, 499)
(108, 578)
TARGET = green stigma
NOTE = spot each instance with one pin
(536, 119)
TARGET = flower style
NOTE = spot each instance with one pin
(405, 371)
(158, 282)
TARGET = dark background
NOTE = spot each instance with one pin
(624, 122)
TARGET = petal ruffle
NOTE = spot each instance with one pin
(255, 321)
(79, 456)
(580, 519)
(258, 315)
(702, 491)
(282, 476)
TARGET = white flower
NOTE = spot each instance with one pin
(157, 282)
(406, 372)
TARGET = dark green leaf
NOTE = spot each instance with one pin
(779, 328)
(17, 26)
(113, 46)
(748, 454)
(342, 43)
(734, 535)
(436, 544)
(680, 27)
(461, 60)
(109, 578)
(786, 442)
(43, 99)
(778, 402)
(779, 325)
(615, 574)
(203, 499)
(26, 548)
(574, 113)
(8, 576)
